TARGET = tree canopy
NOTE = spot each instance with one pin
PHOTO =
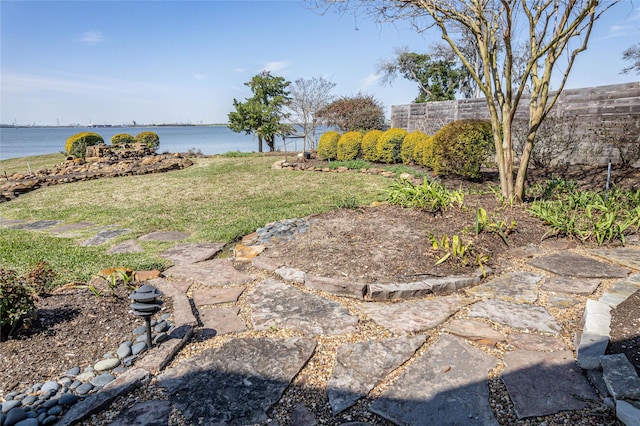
(520, 44)
(262, 114)
(438, 79)
(360, 112)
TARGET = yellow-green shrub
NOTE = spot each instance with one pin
(150, 139)
(389, 144)
(328, 145)
(370, 145)
(423, 152)
(408, 146)
(461, 147)
(121, 139)
(77, 144)
(349, 146)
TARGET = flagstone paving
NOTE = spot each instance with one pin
(276, 304)
(575, 265)
(447, 385)
(522, 316)
(541, 383)
(443, 378)
(361, 366)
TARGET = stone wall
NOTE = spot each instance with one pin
(592, 109)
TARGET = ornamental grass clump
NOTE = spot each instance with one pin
(461, 147)
(349, 146)
(370, 145)
(389, 144)
(328, 145)
(408, 149)
(77, 144)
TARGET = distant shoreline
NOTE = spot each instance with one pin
(104, 126)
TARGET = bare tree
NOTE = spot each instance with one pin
(307, 97)
(553, 31)
(632, 54)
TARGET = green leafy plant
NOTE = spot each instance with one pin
(493, 225)
(389, 143)
(17, 305)
(109, 280)
(349, 146)
(455, 250)
(589, 216)
(150, 139)
(328, 145)
(77, 144)
(429, 195)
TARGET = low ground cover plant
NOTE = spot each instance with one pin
(600, 217)
(430, 195)
(17, 296)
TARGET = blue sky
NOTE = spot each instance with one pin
(168, 61)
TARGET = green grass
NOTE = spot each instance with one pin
(35, 162)
(217, 199)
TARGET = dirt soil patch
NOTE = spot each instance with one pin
(387, 243)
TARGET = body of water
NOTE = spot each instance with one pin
(26, 141)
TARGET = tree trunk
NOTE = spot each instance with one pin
(270, 142)
(259, 143)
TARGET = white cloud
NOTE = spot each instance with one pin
(276, 66)
(239, 70)
(199, 76)
(92, 37)
(370, 81)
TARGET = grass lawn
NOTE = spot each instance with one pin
(217, 199)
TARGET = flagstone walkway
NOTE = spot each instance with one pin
(433, 364)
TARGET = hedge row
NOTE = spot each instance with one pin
(460, 148)
(77, 144)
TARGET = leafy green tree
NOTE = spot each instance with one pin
(355, 113)
(263, 113)
(437, 78)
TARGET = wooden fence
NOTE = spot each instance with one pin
(598, 116)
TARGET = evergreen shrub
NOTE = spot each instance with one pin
(370, 145)
(77, 144)
(389, 144)
(122, 139)
(461, 147)
(423, 152)
(408, 147)
(150, 139)
(328, 145)
(17, 305)
(349, 146)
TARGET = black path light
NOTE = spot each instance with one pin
(145, 304)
